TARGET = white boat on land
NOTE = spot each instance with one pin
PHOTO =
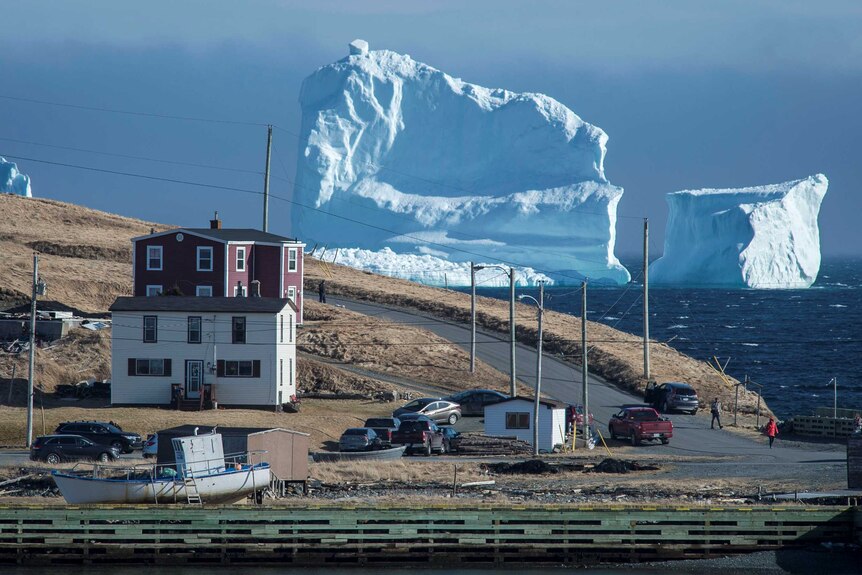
(202, 474)
(377, 455)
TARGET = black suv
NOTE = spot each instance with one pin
(57, 448)
(672, 396)
(102, 433)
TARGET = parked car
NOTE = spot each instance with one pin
(419, 436)
(359, 439)
(451, 439)
(473, 401)
(439, 410)
(672, 395)
(575, 413)
(56, 448)
(384, 427)
(413, 417)
(102, 433)
(151, 446)
(640, 424)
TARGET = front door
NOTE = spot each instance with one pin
(194, 378)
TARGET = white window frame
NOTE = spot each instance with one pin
(292, 259)
(150, 258)
(200, 289)
(244, 291)
(154, 290)
(240, 250)
(291, 293)
(201, 250)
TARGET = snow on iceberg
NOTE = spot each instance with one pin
(12, 181)
(763, 237)
(430, 162)
(429, 269)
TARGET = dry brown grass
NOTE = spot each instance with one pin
(323, 420)
(376, 472)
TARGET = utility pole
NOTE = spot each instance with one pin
(38, 287)
(538, 371)
(512, 377)
(541, 305)
(585, 370)
(266, 179)
(646, 300)
(834, 398)
(472, 317)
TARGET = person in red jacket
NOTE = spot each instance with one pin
(771, 431)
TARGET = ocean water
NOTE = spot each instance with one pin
(792, 342)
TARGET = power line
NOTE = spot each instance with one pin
(127, 156)
(131, 112)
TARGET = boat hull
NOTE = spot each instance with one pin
(225, 487)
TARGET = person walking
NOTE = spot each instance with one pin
(771, 431)
(321, 291)
(715, 408)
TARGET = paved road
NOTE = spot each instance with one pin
(692, 435)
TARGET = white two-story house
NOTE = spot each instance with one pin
(241, 350)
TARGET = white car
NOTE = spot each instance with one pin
(151, 446)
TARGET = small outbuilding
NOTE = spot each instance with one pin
(514, 418)
(286, 451)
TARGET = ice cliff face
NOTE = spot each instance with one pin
(437, 166)
(12, 181)
(762, 237)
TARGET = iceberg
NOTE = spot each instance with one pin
(12, 181)
(763, 237)
(429, 269)
(396, 154)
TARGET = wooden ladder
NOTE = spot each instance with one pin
(192, 495)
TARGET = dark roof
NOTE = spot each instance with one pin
(240, 235)
(202, 304)
(546, 402)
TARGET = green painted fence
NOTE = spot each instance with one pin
(373, 534)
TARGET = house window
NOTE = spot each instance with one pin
(153, 290)
(517, 420)
(291, 293)
(238, 330)
(244, 291)
(154, 258)
(194, 329)
(290, 368)
(205, 259)
(281, 328)
(280, 371)
(291, 259)
(151, 367)
(151, 329)
(204, 291)
(238, 368)
(290, 329)
(240, 259)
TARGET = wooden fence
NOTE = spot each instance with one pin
(375, 535)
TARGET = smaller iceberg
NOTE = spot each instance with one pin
(763, 237)
(12, 181)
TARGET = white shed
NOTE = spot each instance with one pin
(514, 418)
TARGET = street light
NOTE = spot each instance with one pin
(540, 304)
(511, 272)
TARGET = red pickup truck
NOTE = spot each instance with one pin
(640, 424)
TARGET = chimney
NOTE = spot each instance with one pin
(255, 288)
(239, 288)
(215, 223)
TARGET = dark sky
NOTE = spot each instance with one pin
(692, 94)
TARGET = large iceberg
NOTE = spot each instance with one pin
(12, 181)
(431, 164)
(762, 237)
